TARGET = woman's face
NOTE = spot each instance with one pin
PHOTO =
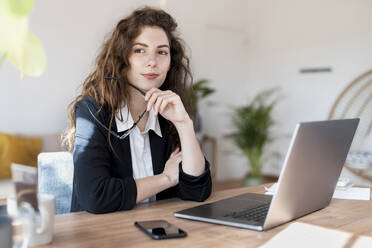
(149, 58)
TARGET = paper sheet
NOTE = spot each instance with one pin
(353, 193)
(309, 236)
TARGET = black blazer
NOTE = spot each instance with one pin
(103, 178)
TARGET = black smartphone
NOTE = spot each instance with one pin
(160, 229)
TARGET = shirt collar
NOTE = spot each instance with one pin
(127, 122)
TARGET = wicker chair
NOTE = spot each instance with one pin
(356, 101)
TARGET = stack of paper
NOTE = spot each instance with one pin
(352, 193)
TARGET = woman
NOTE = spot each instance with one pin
(124, 155)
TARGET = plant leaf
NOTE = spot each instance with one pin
(199, 90)
(252, 123)
(34, 61)
(21, 8)
(21, 48)
(12, 28)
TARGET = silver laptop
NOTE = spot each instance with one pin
(307, 181)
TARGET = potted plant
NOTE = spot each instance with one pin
(199, 90)
(252, 123)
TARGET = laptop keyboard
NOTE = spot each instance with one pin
(257, 214)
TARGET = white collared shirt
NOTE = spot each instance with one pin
(140, 144)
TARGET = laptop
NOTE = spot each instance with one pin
(307, 181)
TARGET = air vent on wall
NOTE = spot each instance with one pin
(316, 70)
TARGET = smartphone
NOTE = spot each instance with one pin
(160, 229)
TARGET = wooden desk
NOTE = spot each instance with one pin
(353, 218)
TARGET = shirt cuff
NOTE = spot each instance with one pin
(193, 179)
(130, 194)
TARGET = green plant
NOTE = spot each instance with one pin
(17, 45)
(200, 90)
(252, 123)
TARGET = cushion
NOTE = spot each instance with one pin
(367, 142)
(17, 149)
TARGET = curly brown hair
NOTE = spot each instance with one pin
(112, 60)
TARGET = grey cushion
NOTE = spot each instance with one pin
(55, 172)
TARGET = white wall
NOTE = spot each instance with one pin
(242, 46)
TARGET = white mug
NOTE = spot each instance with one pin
(40, 230)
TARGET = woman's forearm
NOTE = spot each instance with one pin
(193, 162)
(149, 186)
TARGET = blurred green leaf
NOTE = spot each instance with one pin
(34, 61)
(21, 7)
(200, 90)
(21, 48)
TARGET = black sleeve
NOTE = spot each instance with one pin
(96, 190)
(195, 188)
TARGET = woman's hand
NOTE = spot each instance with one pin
(171, 169)
(168, 104)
